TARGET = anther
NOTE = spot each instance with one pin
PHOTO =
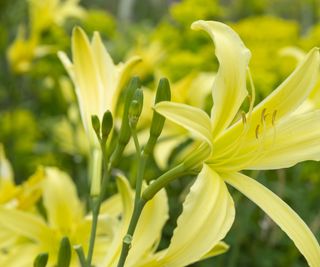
(257, 131)
(274, 114)
(263, 115)
(243, 116)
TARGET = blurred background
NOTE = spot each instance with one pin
(39, 119)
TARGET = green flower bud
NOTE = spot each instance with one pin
(41, 260)
(64, 255)
(135, 108)
(157, 123)
(107, 124)
(96, 125)
(163, 94)
(125, 132)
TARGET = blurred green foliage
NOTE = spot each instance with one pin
(32, 103)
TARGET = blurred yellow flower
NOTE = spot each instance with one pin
(66, 217)
(22, 196)
(45, 13)
(269, 136)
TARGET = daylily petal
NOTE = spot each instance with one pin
(280, 213)
(106, 71)
(208, 213)
(218, 249)
(148, 231)
(293, 140)
(86, 75)
(60, 199)
(25, 224)
(127, 204)
(229, 88)
(67, 64)
(124, 72)
(281, 102)
(193, 119)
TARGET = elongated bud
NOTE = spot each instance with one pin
(135, 108)
(107, 124)
(157, 123)
(96, 125)
(125, 133)
(163, 94)
(41, 260)
(64, 255)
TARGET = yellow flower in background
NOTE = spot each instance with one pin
(97, 80)
(269, 136)
(66, 217)
(22, 51)
(22, 196)
(45, 13)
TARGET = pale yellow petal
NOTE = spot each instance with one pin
(149, 228)
(107, 72)
(193, 119)
(208, 213)
(124, 74)
(126, 194)
(281, 102)
(25, 224)
(218, 249)
(87, 79)
(229, 88)
(293, 140)
(280, 213)
(67, 64)
(60, 199)
(6, 172)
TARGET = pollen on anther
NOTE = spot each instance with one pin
(244, 118)
(257, 131)
(274, 114)
(262, 119)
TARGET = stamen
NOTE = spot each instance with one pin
(274, 114)
(257, 131)
(263, 116)
(244, 119)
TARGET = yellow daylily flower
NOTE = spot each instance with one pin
(269, 136)
(22, 196)
(66, 217)
(44, 13)
(23, 50)
(97, 80)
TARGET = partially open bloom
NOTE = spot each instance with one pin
(97, 80)
(268, 136)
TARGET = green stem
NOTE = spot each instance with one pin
(132, 226)
(96, 204)
(95, 215)
(80, 253)
(138, 202)
(163, 180)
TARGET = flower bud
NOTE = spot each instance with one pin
(107, 124)
(157, 123)
(135, 108)
(96, 125)
(64, 255)
(125, 132)
(41, 260)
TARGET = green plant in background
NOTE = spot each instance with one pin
(40, 102)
